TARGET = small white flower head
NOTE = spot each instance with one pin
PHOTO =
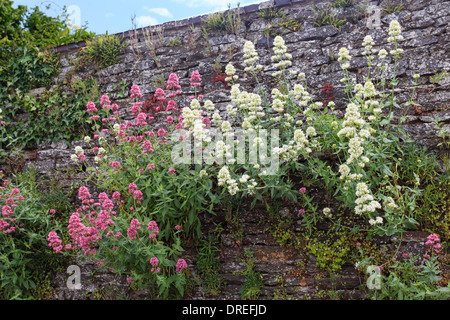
(394, 28)
(343, 55)
(74, 158)
(416, 76)
(244, 178)
(87, 139)
(327, 212)
(382, 54)
(79, 150)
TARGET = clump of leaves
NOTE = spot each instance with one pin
(104, 50)
(325, 17)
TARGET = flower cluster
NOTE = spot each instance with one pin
(250, 58)
(433, 240)
(54, 241)
(281, 57)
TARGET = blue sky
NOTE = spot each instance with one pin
(115, 16)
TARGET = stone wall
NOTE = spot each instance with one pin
(426, 51)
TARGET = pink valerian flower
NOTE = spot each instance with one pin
(132, 230)
(181, 265)
(169, 119)
(162, 132)
(129, 279)
(160, 94)
(20, 198)
(172, 82)
(154, 261)
(3, 224)
(10, 200)
(81, 157)
(7, 211)
(90, 107)
(196, 79)
(147, 146)
(15, 191)
(55, 242)
(140, 119)
(301, 211)
(104, 100)
(103, 220)
(116, 196)
(178, 227)
(102, 197)
(405, 255)
(52, 211)
(151, 166)
(302, 190)
(153, 228)
(83, 193)
(135, 91)
(138, 195)
(433, 239)
(132, 187)
(114, 107)
(136, 108)
(172, 171)
(171, 105)
(115, 165)
(108, 204)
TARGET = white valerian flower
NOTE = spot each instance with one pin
(281, 57)
(190, 115)
(311, 132)
(79, 150)
(203, 173)
(230, 72)
(327, 212)
(101, 150)
(244, 178)
(223, 176)
(365, 201)
(382, 54)
(209, 105)
(368, 44)
(216, 118)
(416, 76)
(343, 55)
(344, 170)
(231, 110)
(87, 139)
(74, 157)
(277, 105)
(251, 57)
(394, 31)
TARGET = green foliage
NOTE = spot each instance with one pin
(54, 116)
(343, 3)
(269, 13)
(330, 255)
(104, 50)
(325, 17)
(253, 281)
(409, 280)
(208, 265)
(219, 21)
(25, 257)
